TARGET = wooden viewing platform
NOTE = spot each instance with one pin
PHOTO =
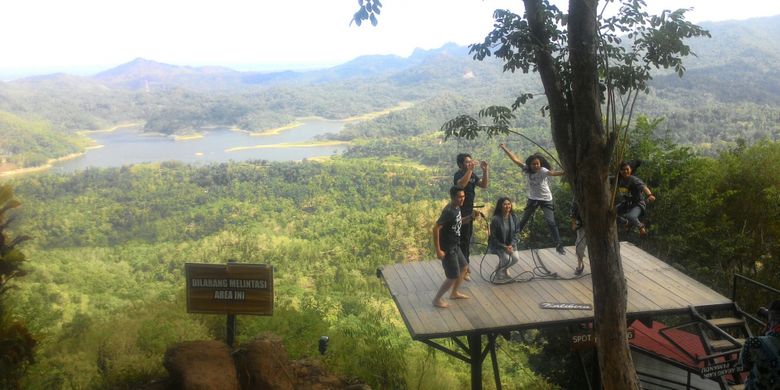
(654, 288)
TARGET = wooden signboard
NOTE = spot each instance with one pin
(232, 288)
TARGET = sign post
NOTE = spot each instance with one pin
(231, 289)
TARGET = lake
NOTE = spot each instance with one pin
(128, 145)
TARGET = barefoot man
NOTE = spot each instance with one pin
(446, 236)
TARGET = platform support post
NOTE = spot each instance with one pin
(494, 358)
(475, 350)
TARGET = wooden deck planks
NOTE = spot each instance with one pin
(652, 286)
(517, 306)
(393, 281)
(413, 321)
(676, 281)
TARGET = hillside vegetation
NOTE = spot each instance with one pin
(26, 142)
(110, 246)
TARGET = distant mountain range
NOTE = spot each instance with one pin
(141, 73)
(740, 49)
(738, 66)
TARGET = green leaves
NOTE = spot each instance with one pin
(465, 126)
(512, 41)
(652, 42)
(521, 100)
(631, 44)
(16, 343)
(368, 10)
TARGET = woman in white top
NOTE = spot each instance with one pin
(537, 170)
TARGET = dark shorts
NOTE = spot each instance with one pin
(453, 262)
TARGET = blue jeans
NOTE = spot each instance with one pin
(627, 215)
(505, 260)
(549, 217)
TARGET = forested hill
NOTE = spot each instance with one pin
(731, 91)
(741, 62)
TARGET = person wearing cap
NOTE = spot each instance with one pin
(761, 354)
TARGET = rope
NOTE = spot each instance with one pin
(539, 271)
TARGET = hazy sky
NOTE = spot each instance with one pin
(83, 36)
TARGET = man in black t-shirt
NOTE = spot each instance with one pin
(446, 237)
(466, 179)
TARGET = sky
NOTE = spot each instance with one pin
(87, 36)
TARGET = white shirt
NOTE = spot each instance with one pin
(539, 186)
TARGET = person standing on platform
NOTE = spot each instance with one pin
(537, 170)
(503, 240)
(446, 239)
(631, 195)
(466, 179)
(761, 354)
(580, 244)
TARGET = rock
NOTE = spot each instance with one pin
(201, 365)
(263, 364)
(312, 376)
(260, 364)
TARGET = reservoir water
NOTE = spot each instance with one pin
(126, 146)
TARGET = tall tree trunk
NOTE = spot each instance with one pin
(609, 286)
(585, 148)
(590, 163)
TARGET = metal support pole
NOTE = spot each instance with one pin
(492, 346)
(584, 369)
(230, 329)
(596, 372)
(475, 349)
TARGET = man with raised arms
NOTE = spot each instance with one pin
(468, 180)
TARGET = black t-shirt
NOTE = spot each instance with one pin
(451, 221)
(630, 191)
(468, 203)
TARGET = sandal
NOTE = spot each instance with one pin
(579, 269)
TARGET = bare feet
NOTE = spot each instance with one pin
(459, 296)
(440, 303)
(467, 276)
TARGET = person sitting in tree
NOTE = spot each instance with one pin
(630, 199)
